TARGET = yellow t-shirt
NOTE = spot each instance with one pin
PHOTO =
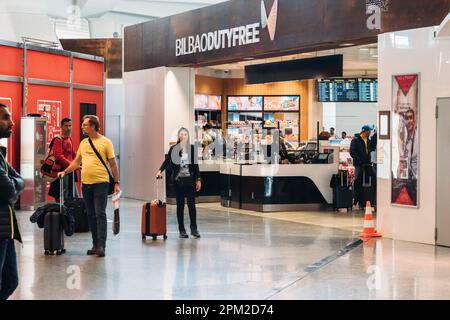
(93, 171)
(366, 143)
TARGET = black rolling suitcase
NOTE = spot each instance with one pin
(77, 207)
(368, 192)
(342, 191)
(53, 229)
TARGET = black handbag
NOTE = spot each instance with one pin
(111, 179)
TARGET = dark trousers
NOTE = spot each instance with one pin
(186, 190)
(96, 198)
(9, 277)
(368, 173)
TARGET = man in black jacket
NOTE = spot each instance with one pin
(360, 152)
(11, 185)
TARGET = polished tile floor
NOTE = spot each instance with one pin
(241, 255)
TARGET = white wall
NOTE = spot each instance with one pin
(157, 103)
(179, 103)
(412, 51)
(349, 117)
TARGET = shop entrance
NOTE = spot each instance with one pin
(443, 173)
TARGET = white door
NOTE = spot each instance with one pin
(443, 173)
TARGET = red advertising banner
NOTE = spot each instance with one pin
(51, 110)
(405, 140)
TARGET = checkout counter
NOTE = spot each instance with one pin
(266, 187)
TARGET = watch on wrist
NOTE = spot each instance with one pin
(118, 182)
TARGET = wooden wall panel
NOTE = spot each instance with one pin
(109, 49)
(302, 26)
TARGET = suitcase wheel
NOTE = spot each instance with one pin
(154, 238)
(47, 253)
(63, 251)
(59, 252)
(144, 237)
(165, 237)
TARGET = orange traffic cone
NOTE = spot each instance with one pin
(369, 224)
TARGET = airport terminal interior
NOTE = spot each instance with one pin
(307, 142)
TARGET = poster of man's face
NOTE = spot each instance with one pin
(405, 140)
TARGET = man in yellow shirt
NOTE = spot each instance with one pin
(95, 180)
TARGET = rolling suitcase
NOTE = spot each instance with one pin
(78, 208)
(342, 191)
(154, 216)
(368, 192)
(53, 229)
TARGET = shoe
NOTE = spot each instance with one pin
(195, 234)
(183, 235)
(100, 252)
(92, 252)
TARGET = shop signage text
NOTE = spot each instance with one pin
(229, 38)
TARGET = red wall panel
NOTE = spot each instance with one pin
(42, 65)
(11, 95)
(87, 72)
(85, 96)
(51, 101)
(11, 63)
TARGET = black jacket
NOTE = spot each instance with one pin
(359, 152)
(68, 220)
(173, 168)
(11, 185)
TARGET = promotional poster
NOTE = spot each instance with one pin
(405, 140)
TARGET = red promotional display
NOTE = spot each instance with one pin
(49, 88)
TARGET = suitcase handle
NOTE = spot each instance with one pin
(61, 194)
(157, 189)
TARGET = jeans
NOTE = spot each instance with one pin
(96, 198)
(9, 277)
(186, 190)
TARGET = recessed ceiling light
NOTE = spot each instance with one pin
(364, 49)
(347, 44)
(375, 56)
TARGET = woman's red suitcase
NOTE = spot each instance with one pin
(154, 219)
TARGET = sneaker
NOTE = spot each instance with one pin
(92, 252)
(183, 235)
(195, 234)
(100, 252)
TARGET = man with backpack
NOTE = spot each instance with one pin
(63, 151)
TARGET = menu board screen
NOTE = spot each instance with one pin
(248, 103)
(207, 102)
(282, 103)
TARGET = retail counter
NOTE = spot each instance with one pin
(210, 191)
(266, 188)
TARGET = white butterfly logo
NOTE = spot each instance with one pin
(271, 20)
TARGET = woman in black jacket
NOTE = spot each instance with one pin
(185, 176)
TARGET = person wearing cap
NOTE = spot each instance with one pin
(360, 152)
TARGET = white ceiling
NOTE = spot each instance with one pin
(96, 8)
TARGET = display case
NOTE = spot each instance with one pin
(208, 109)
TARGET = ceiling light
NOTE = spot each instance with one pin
(364, 49)
(347, 44)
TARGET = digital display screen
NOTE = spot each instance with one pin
(368, 90)
(248, 103)
(348, 90)
(207, 102)
(282, 103)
